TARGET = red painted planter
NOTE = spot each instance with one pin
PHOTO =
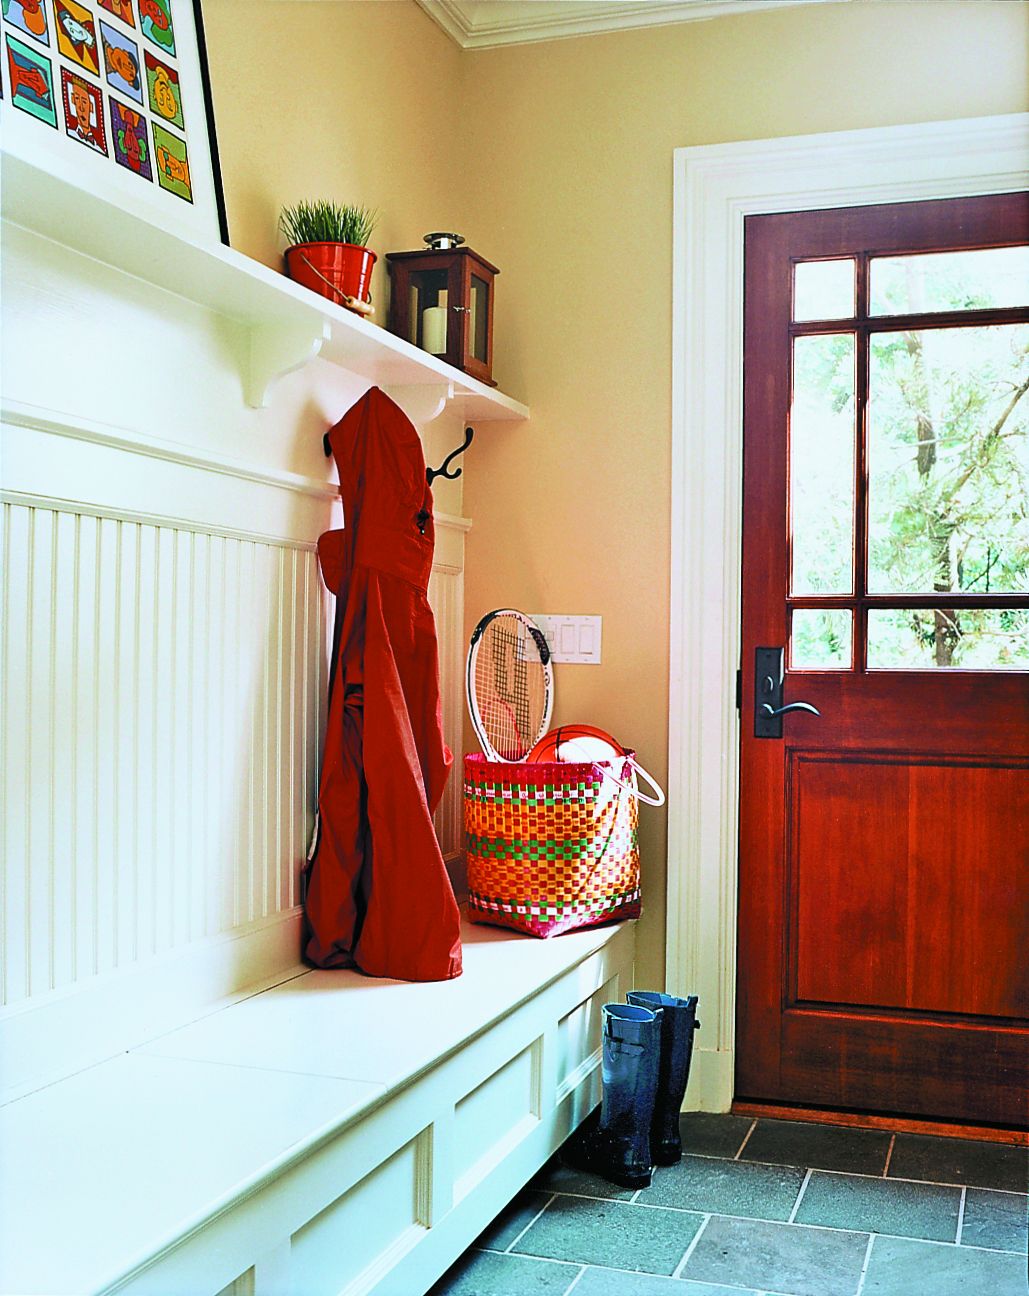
(348, 269)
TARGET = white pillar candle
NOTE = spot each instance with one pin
(434, 330)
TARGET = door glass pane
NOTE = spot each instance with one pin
(948, 461)
(823, 290)
(971, 639)
(822, 465)
(821, 640)
(943, 281)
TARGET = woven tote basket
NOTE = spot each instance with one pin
(550, 847)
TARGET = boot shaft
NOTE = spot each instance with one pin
(678, 1018)
(630, 1062)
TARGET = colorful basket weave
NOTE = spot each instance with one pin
(550, 847)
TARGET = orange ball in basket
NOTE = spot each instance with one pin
(577, 743)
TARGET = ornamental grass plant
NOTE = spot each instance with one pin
(327, 222)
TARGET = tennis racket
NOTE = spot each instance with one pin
(510, 684)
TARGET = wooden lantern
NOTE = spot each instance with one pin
(442, 300)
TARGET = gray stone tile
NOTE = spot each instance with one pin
(611, 1233)
(613, 1282)
(901, 1267)
(726, 1188)
(486, 1273)
(779, 1257)
(995, 1219)
(712, 1134)
(511, 1220)
(879, 1206)
(821, 1147)
(960, 1161)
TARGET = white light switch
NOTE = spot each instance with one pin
(571, 638)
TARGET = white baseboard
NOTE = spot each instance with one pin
(711, 1081)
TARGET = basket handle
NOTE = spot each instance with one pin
(352, 303)
(659, 797)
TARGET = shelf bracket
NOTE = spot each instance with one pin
(279, 349)
(421, 403)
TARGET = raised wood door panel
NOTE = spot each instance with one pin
(884, 845)
(928, 883)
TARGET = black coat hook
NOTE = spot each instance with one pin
(442, 470)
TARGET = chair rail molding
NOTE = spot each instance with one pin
(715, 188)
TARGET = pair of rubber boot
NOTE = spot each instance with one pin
(646, 1053)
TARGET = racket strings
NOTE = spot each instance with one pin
(510, 687)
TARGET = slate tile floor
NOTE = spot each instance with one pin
(769, 1208)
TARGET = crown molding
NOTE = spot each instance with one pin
(472, 24)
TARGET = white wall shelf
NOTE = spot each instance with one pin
(289, 325)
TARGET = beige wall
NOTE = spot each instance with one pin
(350, 101)
(555, 160)
(573, 182)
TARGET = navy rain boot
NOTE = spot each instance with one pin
(678, 1022)
(618, 1148)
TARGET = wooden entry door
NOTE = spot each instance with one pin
(884, 843)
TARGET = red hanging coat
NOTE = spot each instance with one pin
(379, 897)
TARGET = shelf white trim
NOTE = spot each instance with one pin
(288, 324)
(42, 419)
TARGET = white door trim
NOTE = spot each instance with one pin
(716, 187)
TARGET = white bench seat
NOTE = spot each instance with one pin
(332, 1134)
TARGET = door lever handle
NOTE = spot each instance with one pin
(790, 706)
(769, 707)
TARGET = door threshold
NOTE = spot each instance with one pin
(895, 1124)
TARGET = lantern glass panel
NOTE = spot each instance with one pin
(428, 293)
(479, 330)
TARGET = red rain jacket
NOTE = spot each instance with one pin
(379, 897)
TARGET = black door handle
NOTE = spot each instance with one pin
(790, 706)
(769, 707)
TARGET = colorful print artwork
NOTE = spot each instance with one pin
(76, 35)
(163, 85)
(121, 63)
(129, 139)
(128, 84)
(156, 24)
(32, 82)
(28, 16)
(121, 9)
(172, 163)
(83, 111)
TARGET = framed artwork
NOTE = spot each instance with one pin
(28, 17)
(31, 82)
(114, 96)
(83, 111)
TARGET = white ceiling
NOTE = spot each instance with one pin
(482, 24)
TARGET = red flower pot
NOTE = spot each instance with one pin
(335, 270)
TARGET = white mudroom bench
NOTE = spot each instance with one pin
(333, 1134)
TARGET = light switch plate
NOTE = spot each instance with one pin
(571, 638)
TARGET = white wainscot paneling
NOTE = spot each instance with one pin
(161, 698)
(107, 348)
(164, 650)
(446, 596)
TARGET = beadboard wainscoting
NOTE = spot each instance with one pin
(164, 652)
(446, 596)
